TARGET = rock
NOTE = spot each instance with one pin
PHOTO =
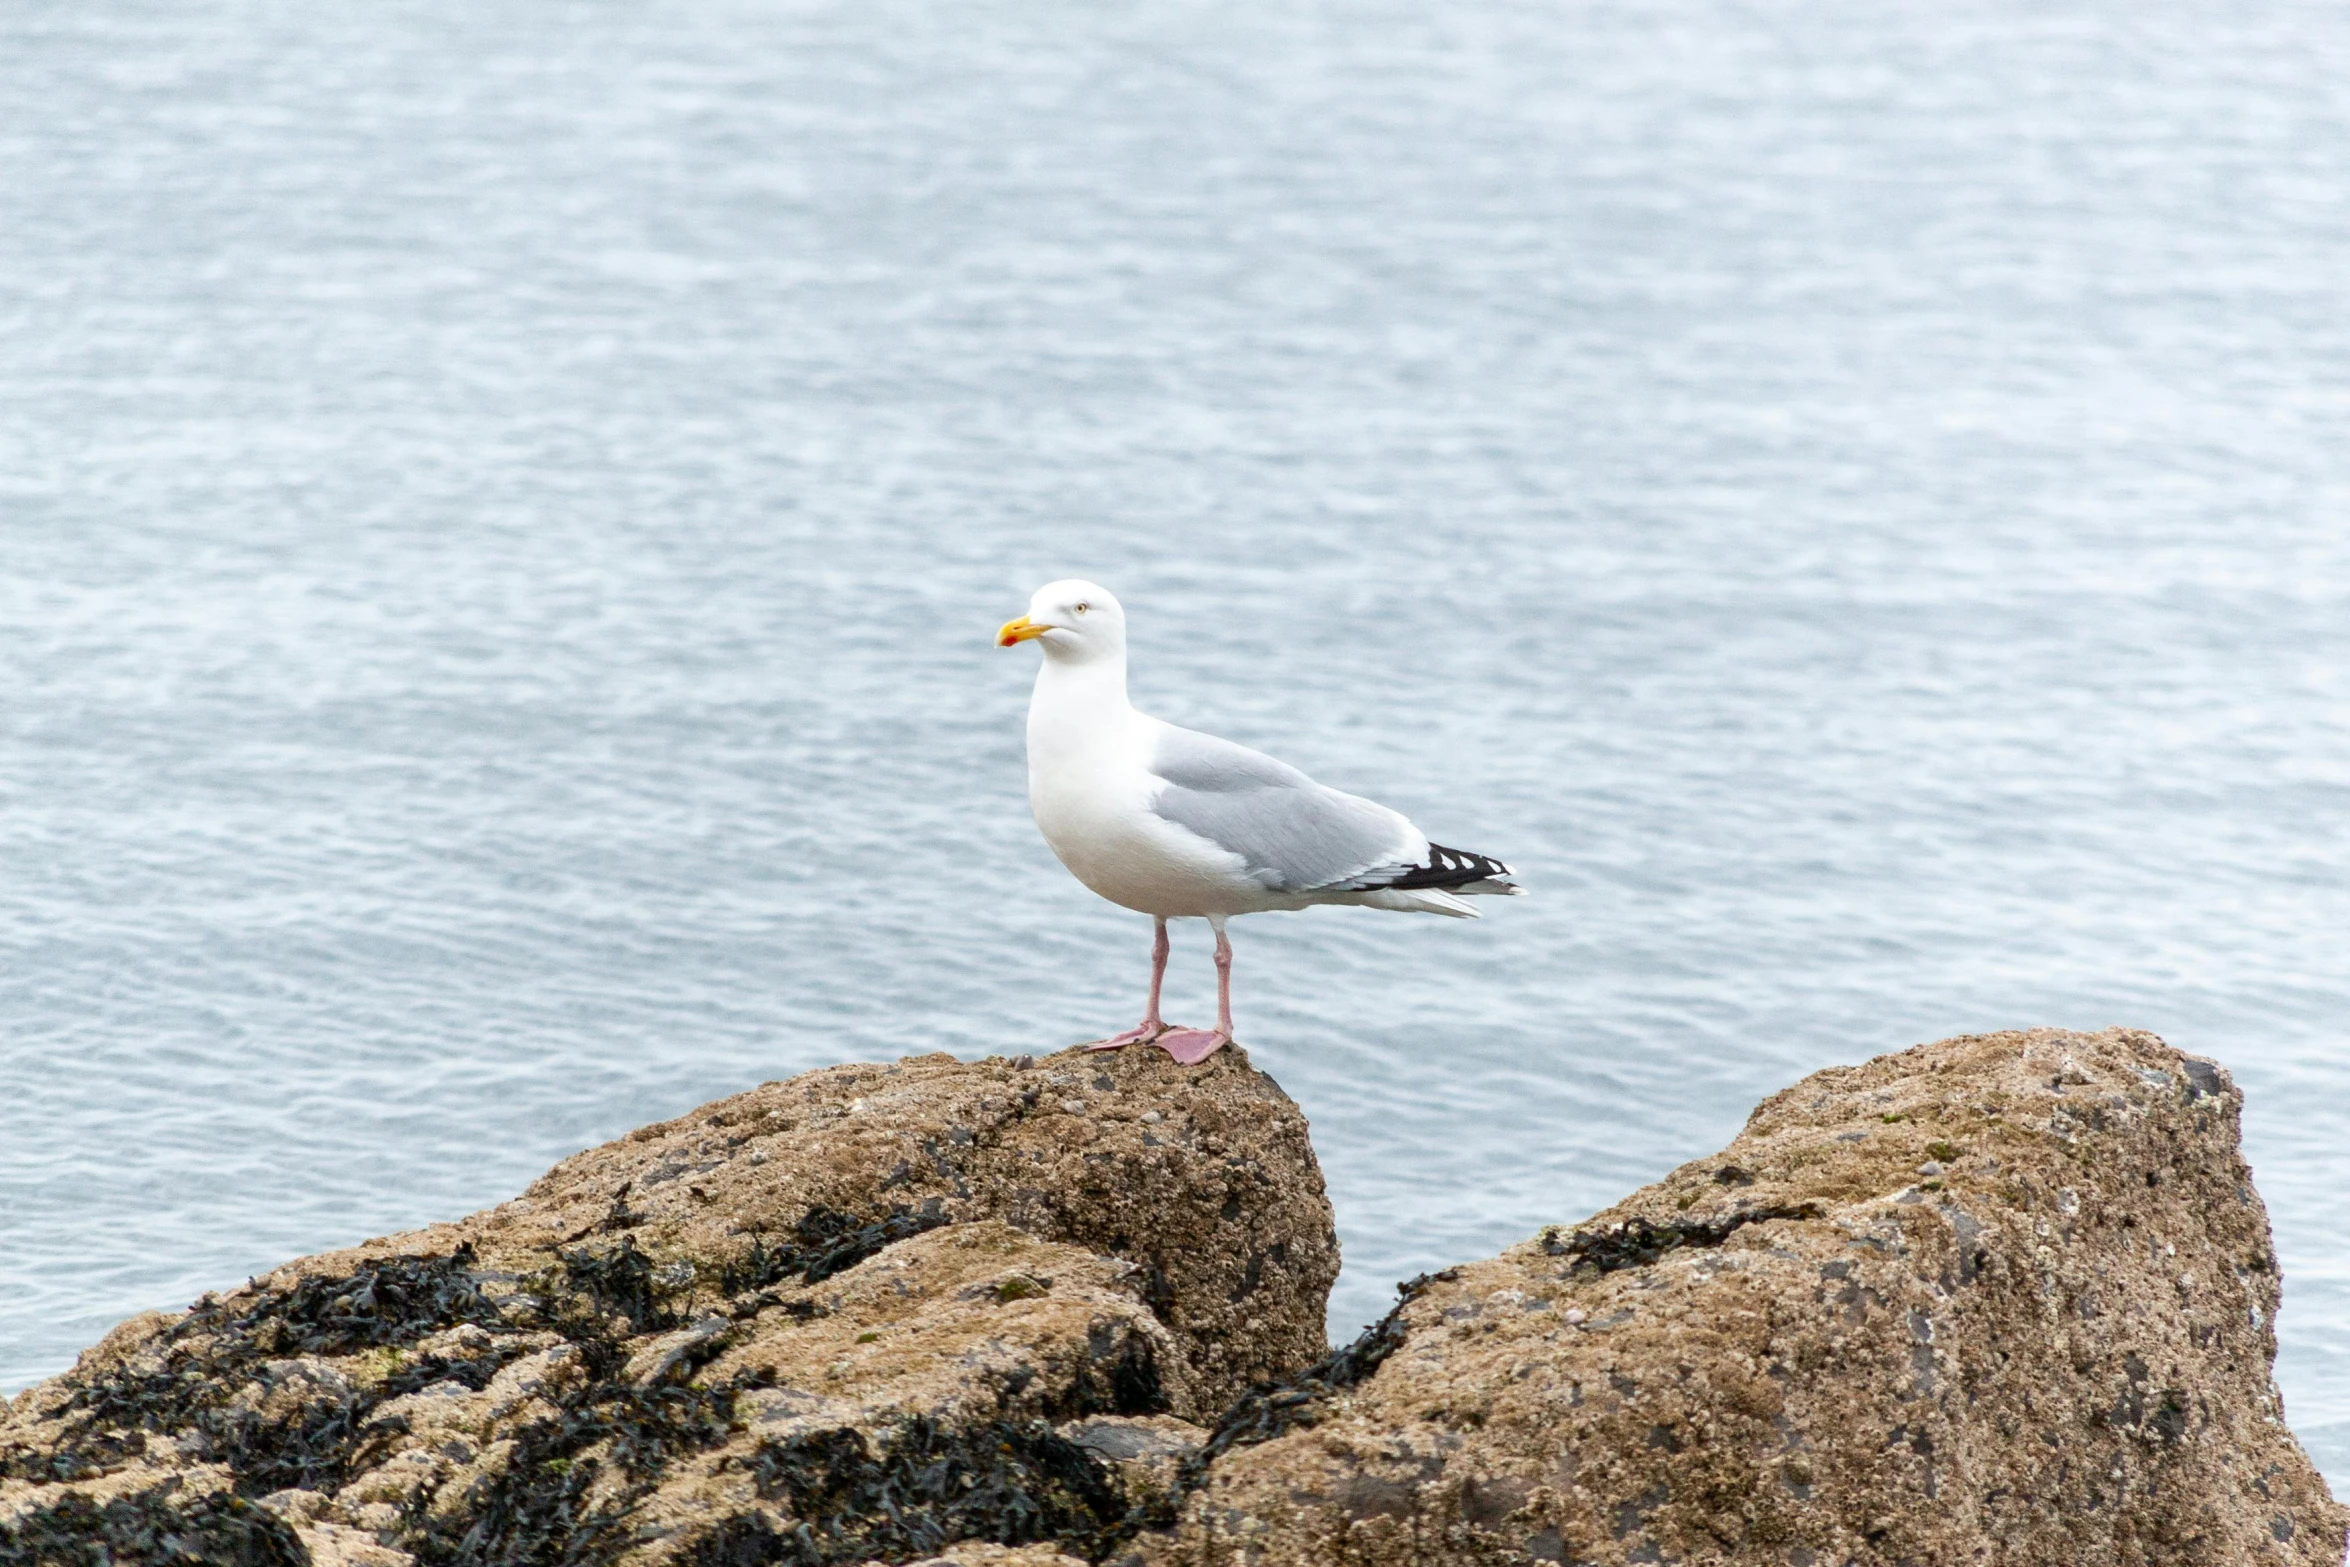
(1219, 1203)
(972, 1554)
(865, 1303)
(2002, 1298)
(1151, 1454)
(332, 1545)
(2056, 1351)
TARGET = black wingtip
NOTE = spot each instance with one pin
(1449, 868)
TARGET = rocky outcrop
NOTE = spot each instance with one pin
(2000, 1299)
(869, 1312)
(1203, 1179)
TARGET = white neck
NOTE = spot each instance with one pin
(1089, 779)
(1081, 729)
(1079, 700)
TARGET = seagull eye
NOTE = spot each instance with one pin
(1082, 608)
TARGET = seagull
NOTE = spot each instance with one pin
(1176, 824)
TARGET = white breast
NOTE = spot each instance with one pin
(1090, 785)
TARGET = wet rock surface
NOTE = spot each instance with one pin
(871, 1313)
(2005, 1298)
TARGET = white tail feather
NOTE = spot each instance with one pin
(1415, 900)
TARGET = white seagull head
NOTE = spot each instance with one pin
(1075, 621)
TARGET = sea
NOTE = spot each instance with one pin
(503, 512)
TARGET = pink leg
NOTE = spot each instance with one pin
(1150, 1027)
(1191, 1046)
(1223, 983)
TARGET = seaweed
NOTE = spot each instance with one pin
(83, 1454)
(1008, 1482)
(1635, 1243)
(219, 1347)
(220, 1376)
(107, 1418)
(313, 1431)
(620, 1216)
(825, 1242)
(151, 1529)
(319, 1447)
(314, 1447)
(623, 1280)
(1136, 1385)
(391, 1303)
(537, 1510)
(844, 1250)
(1272, 1408)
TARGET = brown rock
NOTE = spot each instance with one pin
(1218, 1200)
(2003, 1298)
(974, 1554)
(867, 1302)
(970, 1326)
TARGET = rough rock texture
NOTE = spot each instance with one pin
(2005, 1298)
(1204, 1178)
(872, 1312)
(976, 1555)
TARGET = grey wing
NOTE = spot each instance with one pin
(1294, 834)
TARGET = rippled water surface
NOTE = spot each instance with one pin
(503, 514)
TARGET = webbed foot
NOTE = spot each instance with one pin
(1191, 1046)
(1140, 1034)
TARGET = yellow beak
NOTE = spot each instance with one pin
(1021, 630)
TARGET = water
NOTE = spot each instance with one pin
(504, 510)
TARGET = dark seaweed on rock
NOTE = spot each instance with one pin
(317, 1445)
(1635, 1243)
(319, 1427)
(622, 1279)
(845, 1250)
(151, 1530)
(1135, 1384)
(332, 1435)
(222, 1346)
(84, 1452)
(538, 1510)
(1267, 1412)
(825, 1242)
(390, 1303)
(1008, 1482)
